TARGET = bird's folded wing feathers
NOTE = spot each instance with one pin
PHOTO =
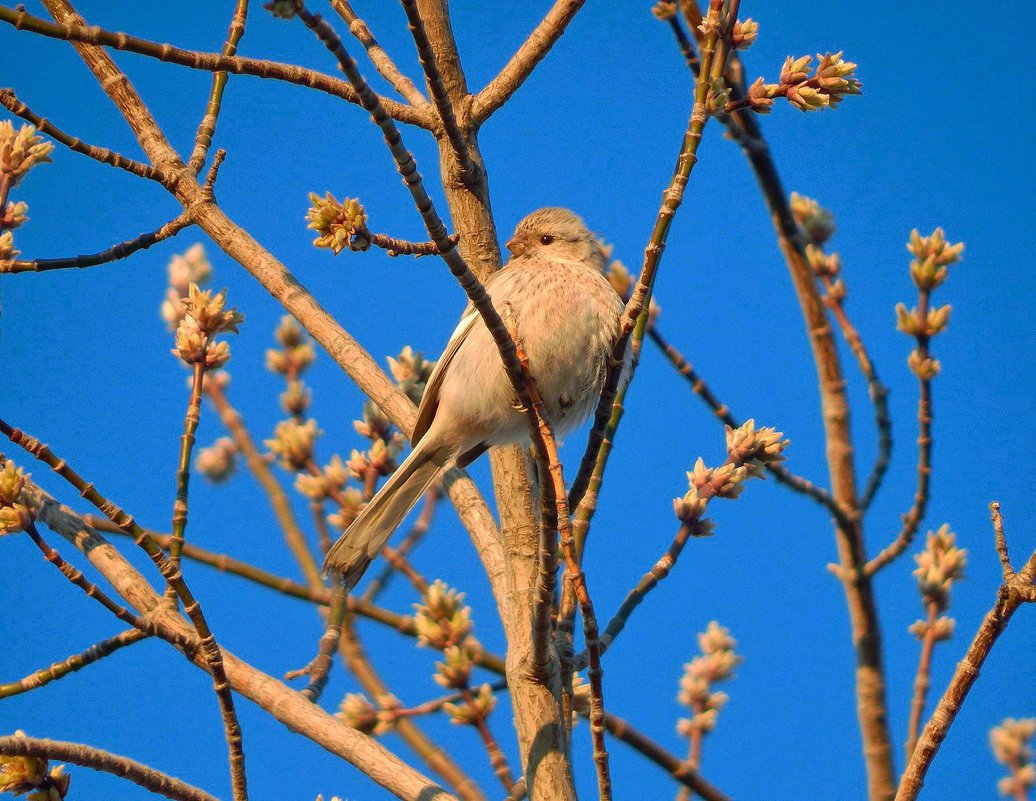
(430, 398)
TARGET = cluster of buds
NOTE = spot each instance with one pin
(664, 9)
(411, 371)
(15, 516)
(939, 565)
(294, 356)
(469, 714)
(379, 459)
(34, 776)
(293, 442)
(1010, 744)
(13, 215)
(8, 252)
(444, 622)
(329, 482)
(816, 222)
(454, 672)
(205, 317)
(217, 462)
(623, 281)
(442, 619)
(350, 504)
(744, 33)
(748, 449)
(358, 713)
(190, 267)
(716, 663)
(338, 225)
(283, 9)
(817, 225)
(932, 257)
(20, 151)
(825, 88)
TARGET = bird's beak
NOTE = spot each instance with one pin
(515, 246)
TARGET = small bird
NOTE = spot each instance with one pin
(556, 301)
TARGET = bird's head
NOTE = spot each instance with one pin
(555, 233)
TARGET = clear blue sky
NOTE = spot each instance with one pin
(939, 137)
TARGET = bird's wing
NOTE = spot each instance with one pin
(430, 399)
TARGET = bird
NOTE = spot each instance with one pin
(556, 301)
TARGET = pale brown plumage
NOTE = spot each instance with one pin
(566, 315)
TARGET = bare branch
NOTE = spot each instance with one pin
(283, 703)
(10, 101)
(379, 58)
(116, 252)
(59, 670)
(208, 62)
(209, 649)
(443, 104)
(1012, 594)
(207, 126)
(522, 63)
(105, 761)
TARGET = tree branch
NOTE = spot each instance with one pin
(116, 252)
(10, 101)
(1016, 589)
(379, 58)
(105, 761)
(437, 89)
(59, 670)
(207, 62)
(533, 50)
(207, 126)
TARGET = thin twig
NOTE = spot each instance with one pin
(673, 765)
(922, 679)
(1013, 592)
(116, 252)
(409, 542)
(171, 573)
(1001, 541)
(496, 756)
(276, 495)
(320, 667)
(88, 757)
(437, 89)
(700, 388)
(207, 126)
(76, 576)
(379, 58)
(207, 62)
(404, 247)
(913, 518)
(183, 468)
(102, 154)
(59, 670)
(872, 708)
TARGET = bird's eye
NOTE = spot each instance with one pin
(546, 239)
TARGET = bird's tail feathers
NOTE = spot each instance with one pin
(367, 535)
